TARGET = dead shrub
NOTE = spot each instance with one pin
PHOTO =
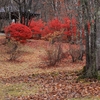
(76, 52)
(54, 54)
(13, 50)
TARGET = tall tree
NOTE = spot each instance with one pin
(90, 10)
(24, 8)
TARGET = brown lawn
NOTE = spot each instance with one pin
(29, 78)
(31, 60)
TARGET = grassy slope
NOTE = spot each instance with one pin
(28, 63)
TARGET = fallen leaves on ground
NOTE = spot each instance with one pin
(56, 86)
(58, 82)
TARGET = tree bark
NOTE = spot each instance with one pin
(90, 70)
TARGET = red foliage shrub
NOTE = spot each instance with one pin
(67, 23)
(51, 27)
(36, 26)
(70, 26)
(67, 27)
(46, 31)
(55, 25)
(18, 32)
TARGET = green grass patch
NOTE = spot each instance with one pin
(86, 98)
(18, 89)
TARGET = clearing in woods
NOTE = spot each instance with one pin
(29, 78)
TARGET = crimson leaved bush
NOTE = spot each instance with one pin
(39, 27)
(46, 31)
(55, 25)
(36, 26)
(18, 32)
(66, 26)
(52, 26)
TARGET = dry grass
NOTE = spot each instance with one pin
(31, 60)
(17, 89)
(86, 98)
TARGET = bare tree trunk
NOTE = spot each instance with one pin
(90, 15)
(98, 46)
